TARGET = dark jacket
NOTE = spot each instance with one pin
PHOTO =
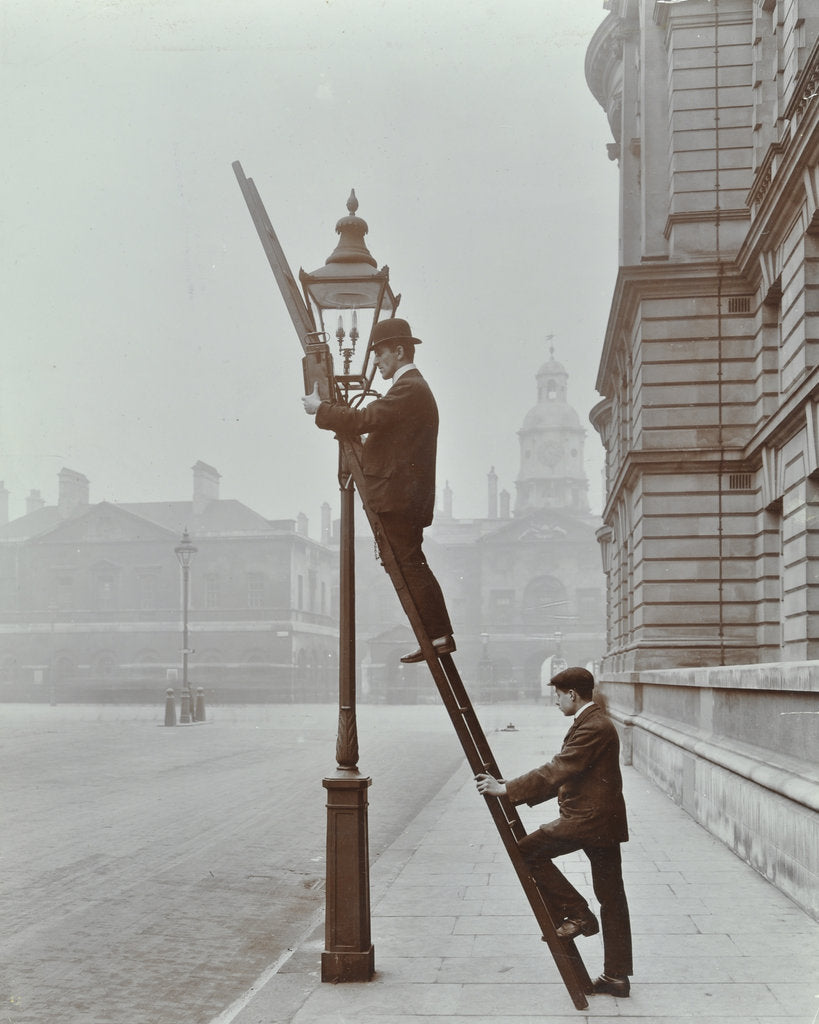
(399, 452)
(585, 778)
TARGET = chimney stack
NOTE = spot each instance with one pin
(302, 525)
(205, 486)
(33, 502)
(73, 493)
(493, 493)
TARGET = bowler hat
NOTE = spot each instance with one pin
(393, 329)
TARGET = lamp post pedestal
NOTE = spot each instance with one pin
(349, 954)
(185, 717)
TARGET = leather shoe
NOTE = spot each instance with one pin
(606, 986)
(574, 926)
(446, 647)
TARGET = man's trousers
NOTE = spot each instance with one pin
(405, 538)
(563, 900)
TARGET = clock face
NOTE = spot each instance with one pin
(548, 454)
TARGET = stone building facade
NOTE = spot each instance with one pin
(709, 377)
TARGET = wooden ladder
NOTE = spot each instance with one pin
(447, 679)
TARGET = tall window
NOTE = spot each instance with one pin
(255, 590)
(147, 592)
(212, 595)
(501, 606)
(65, 591)
(106, 591)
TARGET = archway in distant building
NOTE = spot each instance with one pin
(545, 602)
(64, 667)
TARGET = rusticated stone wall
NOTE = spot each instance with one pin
(736, 747)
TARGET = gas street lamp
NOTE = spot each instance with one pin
(347, 296)
(184, 553)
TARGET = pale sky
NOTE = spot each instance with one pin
(142, 328)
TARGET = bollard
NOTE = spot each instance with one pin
(170, 708)
(199, 707)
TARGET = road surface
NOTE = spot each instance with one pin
(150, 874)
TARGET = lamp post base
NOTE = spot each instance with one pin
(348, 953)
(185, 717)
(338, 967)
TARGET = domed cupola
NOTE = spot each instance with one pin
(551, 448)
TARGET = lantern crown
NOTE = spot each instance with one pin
(351, 230)
(185, 550)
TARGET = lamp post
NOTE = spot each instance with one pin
(348, 295)
(485, 669)
(559, 663)
(185, 551)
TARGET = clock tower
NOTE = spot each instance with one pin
(551, 448)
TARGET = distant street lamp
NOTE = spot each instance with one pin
(485, 668)
(184, 553)
(347, 296)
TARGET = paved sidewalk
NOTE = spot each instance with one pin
(456, 940)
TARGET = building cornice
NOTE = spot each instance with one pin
(671, 462)
(704, 216)
(690, 14)
(785, 423)
(666, 279)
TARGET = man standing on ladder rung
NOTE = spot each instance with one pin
(399, 467)
(585, 777)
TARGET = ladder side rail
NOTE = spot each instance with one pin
(464, 704)
(295, 304)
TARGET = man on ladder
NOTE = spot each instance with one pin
(585, 778)
(399, 467)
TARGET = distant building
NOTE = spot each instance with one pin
(90, 603)
(522, 587)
